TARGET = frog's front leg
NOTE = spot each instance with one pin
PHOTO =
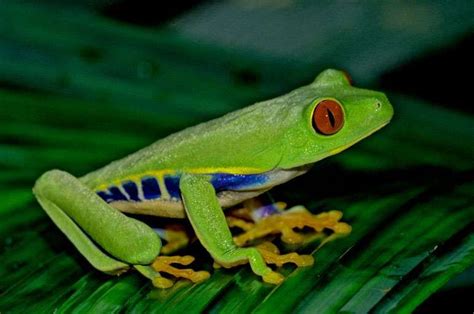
(209, 223)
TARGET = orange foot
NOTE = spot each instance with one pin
(163, 264)
(271, 255)
(297, 217)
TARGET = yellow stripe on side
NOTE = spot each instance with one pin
(164, 191)
(160, 174)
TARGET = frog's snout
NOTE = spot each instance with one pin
(383, 108)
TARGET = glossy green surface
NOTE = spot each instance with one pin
(407, 192)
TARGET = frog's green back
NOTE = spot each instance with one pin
(245, 140)
(267, 135)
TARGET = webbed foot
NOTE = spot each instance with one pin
(297, 217)
(271, 255)
(164, 264)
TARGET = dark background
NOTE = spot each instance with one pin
(431, 44)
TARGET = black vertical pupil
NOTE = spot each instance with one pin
(332, 120)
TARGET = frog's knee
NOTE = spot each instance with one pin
(49, 178)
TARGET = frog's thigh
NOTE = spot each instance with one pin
(75, 208)
(209, 223)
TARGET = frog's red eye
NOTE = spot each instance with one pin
(328, 117)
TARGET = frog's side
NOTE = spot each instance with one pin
(158, 194)
(196, 172)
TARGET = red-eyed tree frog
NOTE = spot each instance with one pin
(195, 173)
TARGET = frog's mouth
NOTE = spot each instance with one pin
(344, 147)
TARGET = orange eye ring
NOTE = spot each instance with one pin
(328, 117)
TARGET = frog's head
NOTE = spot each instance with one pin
(330, 115)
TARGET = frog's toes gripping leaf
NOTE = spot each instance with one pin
(296, 218)
(271, 255)
(162, 264)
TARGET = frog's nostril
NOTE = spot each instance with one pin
(378, 105)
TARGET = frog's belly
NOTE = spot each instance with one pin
(162, 197)
(175, 208)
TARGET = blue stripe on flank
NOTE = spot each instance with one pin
(172, 185)
(112, 194)
(151, 189)
(227, 181)
(132, 190)
(105, 196)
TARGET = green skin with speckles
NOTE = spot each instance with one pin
(267, 136)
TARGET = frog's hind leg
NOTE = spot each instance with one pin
(84, 218)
